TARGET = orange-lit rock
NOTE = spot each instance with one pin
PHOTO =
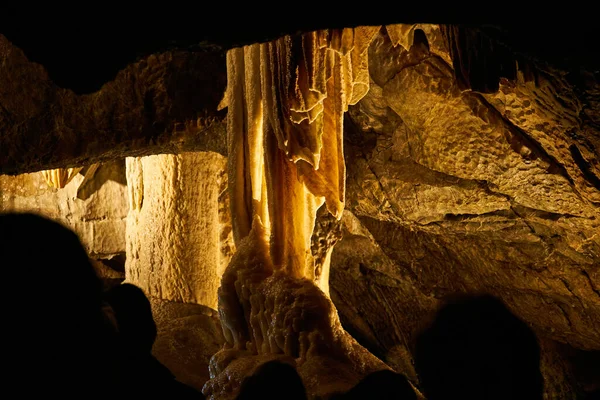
(177, 234)
(286, 100)
(470, 166)
(458, 192)
(95, 209)
(152, 106)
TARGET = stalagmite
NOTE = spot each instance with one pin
(286, 101)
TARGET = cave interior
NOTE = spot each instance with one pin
(313, 188)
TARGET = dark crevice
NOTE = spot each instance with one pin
(116, 262)
(420, 39)
(584, 166)
(564, 313)
(452, 217)
(516, 211)
(522, 210)
(589, 279)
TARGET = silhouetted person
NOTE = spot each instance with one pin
(136, 329)
(384, 385)
(133, 315)
(477, 349)
(56, 341)
(273, 380)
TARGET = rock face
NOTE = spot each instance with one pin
(177, 234)
(188, 336)
(94, 207)
(163, 103)
(452, 191)
(458, 181)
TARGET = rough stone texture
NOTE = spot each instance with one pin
(176, 246)
(164, 103)
(188, 335)
(267, 314)
(457, 192)
(447, 191)
(109, 276)
(96, 208)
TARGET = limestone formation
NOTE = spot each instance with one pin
(453, 191)
(60, 177)
(286, 101)
(174, 227)
(153, 106)
(188, 335)
(468, 162)
(98, 217)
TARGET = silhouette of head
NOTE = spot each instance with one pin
(384, 385)
(273, 380)
(49, 261)
(133, 314)
(52, 297)
(477, 349)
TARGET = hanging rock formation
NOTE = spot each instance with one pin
(472, 165)
(151, 107)
(58, 178)
(286, 100)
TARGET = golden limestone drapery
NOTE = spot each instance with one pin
(286, 101)
(59, 178)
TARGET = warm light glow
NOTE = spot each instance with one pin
(60, 177)
(285, 102)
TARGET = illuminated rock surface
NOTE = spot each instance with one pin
(177, 231)
(446, 190)
(153, 106)
(188, 336)
(456, 192)
(286, 100)
(95, 208)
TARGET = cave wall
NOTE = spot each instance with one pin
(448, 190)
(95, 208)
(452, 192)
(153, 106)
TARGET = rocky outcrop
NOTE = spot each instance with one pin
(188, 336)
(94, 207)
(453, 191)
(459, 180)
(164, 103)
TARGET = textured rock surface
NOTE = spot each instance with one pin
(188, 335)
(457, 192)
(163, 103)
(266, 313)
(95, 208)
(176, 237)
(447, 191)
(286, 100)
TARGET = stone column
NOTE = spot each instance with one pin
(178, 233)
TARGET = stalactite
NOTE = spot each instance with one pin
(60, 177)
(286, 101)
